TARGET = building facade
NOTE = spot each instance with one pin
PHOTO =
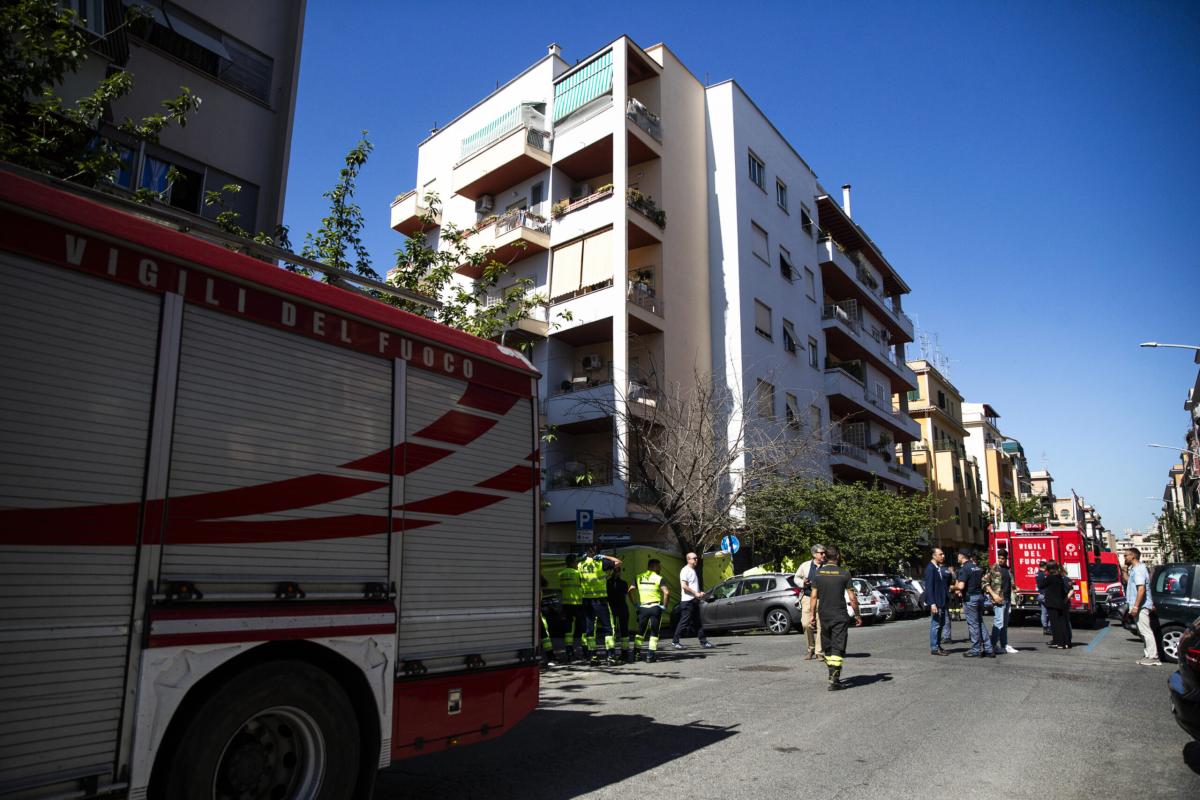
(674, 234)
(998, 474)
(241, 59)
(952, 474)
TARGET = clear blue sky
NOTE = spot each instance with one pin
(1031, 168)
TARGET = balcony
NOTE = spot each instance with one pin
(651, 123)
(843, 275)
(646, 222)
(644, 297)
(531, 327)
(409, 214)
(845, 336)
(516, 234)
(851, 462)
(506, 151)
(579, 474)
(848, 398)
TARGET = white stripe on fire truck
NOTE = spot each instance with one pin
(162, 627)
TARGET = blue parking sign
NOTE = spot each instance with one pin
(584, 519)
(730, 544)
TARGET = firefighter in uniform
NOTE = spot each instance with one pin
(570, 585)
(618, 603)
(829, 586)
(650, 594)
(595, 603)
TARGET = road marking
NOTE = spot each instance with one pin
(1096, 641)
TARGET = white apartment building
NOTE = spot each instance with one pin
(628, 193)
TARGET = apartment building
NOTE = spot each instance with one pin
(674, 232)
(985, 444)
(242, 59)
(952, 474)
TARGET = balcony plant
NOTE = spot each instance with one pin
(560, 208)
(646, 205)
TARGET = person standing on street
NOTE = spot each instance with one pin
(998, 584)
(1058, 605)
(595, 600)
(937, 595)
(618, 604)
(1045, 614)
(829, 584)
(970, 583)
(1141, 604)
(804, 576)
(570, 586)
(650, 594)
(689, 604)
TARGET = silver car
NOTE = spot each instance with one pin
(872, 605)
(766, 601)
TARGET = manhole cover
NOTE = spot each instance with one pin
(763, 668)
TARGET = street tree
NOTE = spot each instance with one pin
(44, 44)
(874, 528)
(1179, 534)
(1022, 510)
(691, 453)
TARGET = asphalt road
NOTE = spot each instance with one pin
(751, 719)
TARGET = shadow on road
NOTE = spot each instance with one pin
(553, 755)
(1191, 756)
(855, 681)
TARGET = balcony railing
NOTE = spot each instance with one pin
(643, 394)
(589, 380)
(845, 312)
(854, 369)
(566, 206)
(847, 449)
(644, 494)
(646, 205)
(645, 297)
(579, 474)
(522, 116)
(950, 446)
(642, 117)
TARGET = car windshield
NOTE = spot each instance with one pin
(1103, 572)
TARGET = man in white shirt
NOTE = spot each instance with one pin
(1137, 594)
(804, 576)
(689, 604)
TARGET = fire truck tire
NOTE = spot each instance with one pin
(282, 729)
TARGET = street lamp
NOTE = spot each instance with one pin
(1179, 346)
(1168, 447)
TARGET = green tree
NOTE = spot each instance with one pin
(1179, 534)
(42, 45)
(1021, 510)
(338, 241)
(874, 528)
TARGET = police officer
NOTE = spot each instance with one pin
(970, 583)
(595, 603)
(829, 585)
(650, 594)
(570, 585)
(618, 604)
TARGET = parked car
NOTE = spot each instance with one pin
(899, 592)
(872, 605)
(1184, 683)
(1176, 594)
(919, 585)
(766, 601)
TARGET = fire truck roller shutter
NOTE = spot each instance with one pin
(264, 420)
(467, 580)
(76, 380)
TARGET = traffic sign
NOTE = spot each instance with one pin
(615, 538)
(730, 544)
(585, 526)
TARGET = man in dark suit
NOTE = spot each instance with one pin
(937, 595)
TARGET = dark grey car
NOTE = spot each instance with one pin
(766, 601)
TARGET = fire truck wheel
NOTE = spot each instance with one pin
(283, 729)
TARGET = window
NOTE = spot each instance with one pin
(725, 590)
(806, 223)
(814, 360)
(785, 265)
(914, 395)
(758, 243)
(1174, 580)
(764, 398)
(814, 419)
(791, 411)
(537, 193)
(91, 13)
(881, 395)
(762, 319)
(789, 337)
(758, 171)
(756, 586)
(781, 194)
(195, 42)
(941, 400)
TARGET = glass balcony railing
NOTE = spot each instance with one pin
(579, 474)
(641, 116)
(521, 218)
(645, 297)
(851, 450)
(846, 312)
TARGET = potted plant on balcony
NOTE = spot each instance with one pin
(560, 208)
(883, 446)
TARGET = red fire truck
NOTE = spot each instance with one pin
(1104, 570)
(259, 535)
(1030, 544)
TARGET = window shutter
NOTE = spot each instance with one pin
(564, 275)
(597, 259)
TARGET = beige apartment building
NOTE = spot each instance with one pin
(942, 458)
(242, 59)
(672, 231)
(997, 470)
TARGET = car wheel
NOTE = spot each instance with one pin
(1170, 643)
(281, 729)
(889, 615)
(778, 621)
